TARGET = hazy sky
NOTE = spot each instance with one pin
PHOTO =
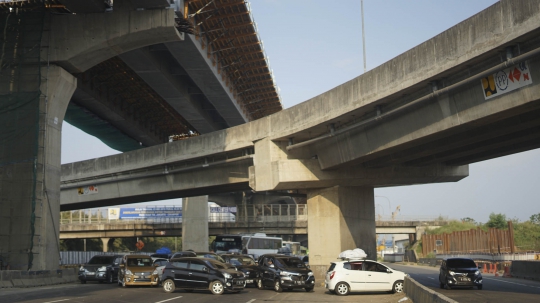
(316, 45)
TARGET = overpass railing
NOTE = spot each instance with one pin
(242, 213)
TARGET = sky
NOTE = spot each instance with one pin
(316, 45)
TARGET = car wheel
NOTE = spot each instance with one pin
(110, 281)
(479, 287)
(441, 285)
(448, 286)
(342, 289)
(83, 281)
(277, 286)
(118, 281)
(217, 288)
(260, 284)
(398, 286)
(168, 286)
(309, 289)
(124, 282)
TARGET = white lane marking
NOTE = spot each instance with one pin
(252, 300)
(57, 301)
(169, 299)
(505, 282)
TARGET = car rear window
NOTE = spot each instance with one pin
(332, 266)
(460, 263)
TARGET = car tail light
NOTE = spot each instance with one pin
(332, 275)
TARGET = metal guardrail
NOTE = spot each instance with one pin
(524, 256)
(246, 213)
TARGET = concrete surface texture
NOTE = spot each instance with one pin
(339, 218)
(195, 223)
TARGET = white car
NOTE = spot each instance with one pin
(348, 276)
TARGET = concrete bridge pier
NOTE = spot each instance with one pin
(105, 242)
(30, 169)
(195, 223)
(339, 218)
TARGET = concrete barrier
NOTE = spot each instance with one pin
(20, 278)
(420, 294)
(525, 269)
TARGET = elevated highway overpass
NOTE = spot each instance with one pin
(466, 95)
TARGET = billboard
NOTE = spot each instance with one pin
(221, 210)
(150, 212)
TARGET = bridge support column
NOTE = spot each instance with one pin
(105, 242)
(30, 142)
(339, 218)
(195, 223)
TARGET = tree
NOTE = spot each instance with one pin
(468, 220)
(497, 221)
(535, 219)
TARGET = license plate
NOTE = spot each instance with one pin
(90, 273)
(300, 282)
(465, 279)
(249, 281)
(239, 282)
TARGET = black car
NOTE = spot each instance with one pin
(244, 263)
(284, 272)
(201, 273)
(459, 272)
(102, 268)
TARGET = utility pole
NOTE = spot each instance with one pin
(363, 35)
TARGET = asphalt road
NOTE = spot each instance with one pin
(107, 293)
(495, 289)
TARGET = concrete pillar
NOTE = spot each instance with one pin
(339, 218)
(105, 242)
(195, 223)
(30, 170)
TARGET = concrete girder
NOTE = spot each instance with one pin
(78, 42)
(451, 114)
(158, 185)
(210, 80)
(155, 69)
(273, 171)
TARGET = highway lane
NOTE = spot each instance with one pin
(107, 293)
(495, 289)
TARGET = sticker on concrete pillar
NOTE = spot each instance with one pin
(88, 190)
(506, 80)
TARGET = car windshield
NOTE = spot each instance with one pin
(240, 261)
(102, 260)
(461, 263)
(139, 262)
(291, 262)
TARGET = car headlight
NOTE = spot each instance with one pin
(102, 268)
(82, 268)
(451, 273)
(155, 272)
(227, 276)
(284, 273)
(128, 272)
(310, 273)
(247, 272)
(476, 273)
